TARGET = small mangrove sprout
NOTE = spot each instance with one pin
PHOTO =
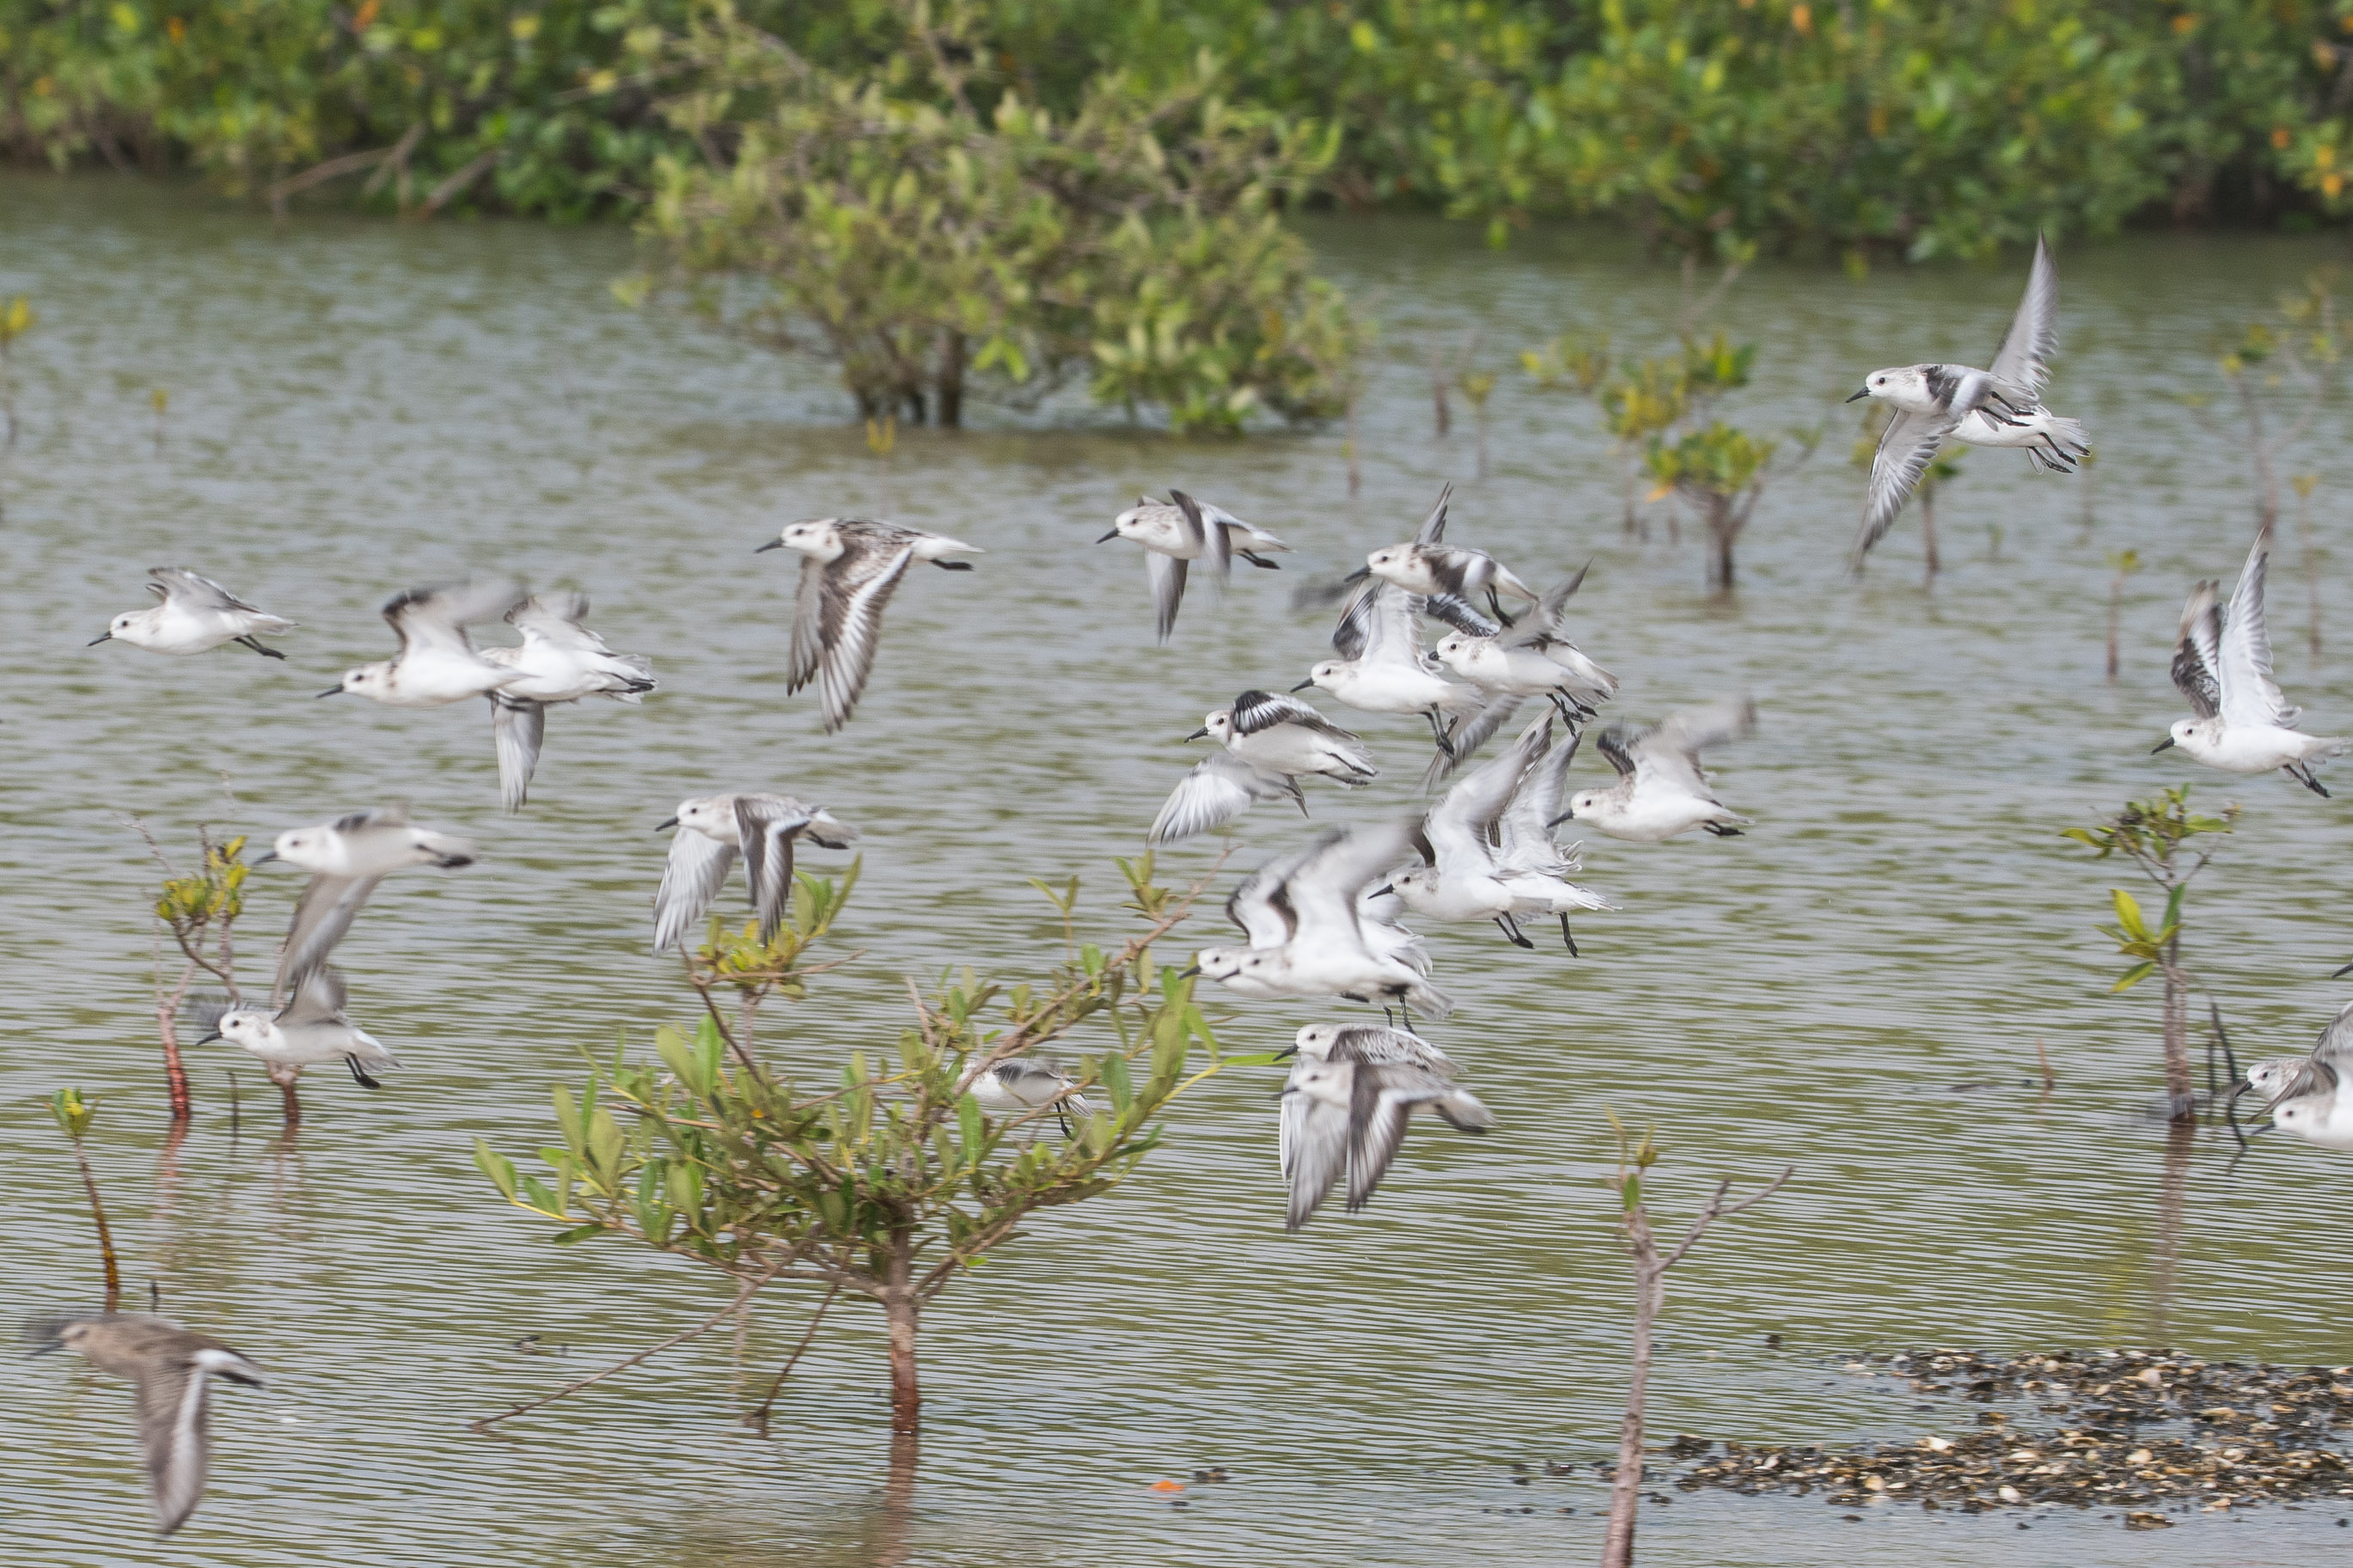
(2155, 834)
(200, 910)
(2121, 563)
(16, 319)
(73, 1114)
(1635, 1157)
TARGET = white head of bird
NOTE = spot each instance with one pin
(1218, 726)
(1326, 672)
(1223, 963)
(1584, 803)
(711, 818)
(818, 538)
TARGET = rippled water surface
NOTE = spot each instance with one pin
(355, 408)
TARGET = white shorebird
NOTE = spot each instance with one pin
(1660, 790)
(1284, 735)
(2225, 666)
(1532, 659)
(1490, 851)
(2322, 1071)
(1179, 531)
(1021, 1084)
(2326, 1120)
(307, 1031)
(1998, 407)
(561, 661)
(1383, 669)
(1346, 1103)
(711, 831)
(1426, 564)
(1311, 935)
(437, 664)
(197, 615)
(850, 569)
(174, 1368)
(346, 858)
(1215, 790)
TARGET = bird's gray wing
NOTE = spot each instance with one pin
(2336, 1047)
(438, 618)
(1527, 841)
(1215, 790)
(557, 619)
(1457, 612)
(1466, 733)
(2249, 695)
(1216, 549)
(319, 999)
(1672, 749)
(1907, 447)
(1546, 619)
(768, 827)
(809, 626)
(856, 585)
(1166, 575)
(1356, 626)
(194, 592)
(1262, 906)
(1457, 826)
(1324, 885)
(1255, 710)
(1434, 527)
(1390, 636)
(1381, 1100)
(174, 1400)
(204, 1013)
(517, 728)
(2197, 652)
(1382, 1045)
(690, 881)
(1319, 1129)
(323, 918)
(2022, 363)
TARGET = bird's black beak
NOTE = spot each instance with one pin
(1304, 684)
(1286, 1053)
(2342, 972)
(46, 1347)
(1188, 973)
(102, 636)
(1197, 734)
(265, 854)
(1564, 816)
(2161, 745)
(330, 691)
(1383, 891)
(1858, 396)
(1107, 538)
(772, 545)
(666, 825)
(209, 1040)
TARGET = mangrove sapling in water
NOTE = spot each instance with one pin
(2296, 357)
(1651, 1265)
(2153, 834)
(73, 1115)
(15, 320)
(2121, 563)
(888, 1185)
(200, 910)
(1945, 466)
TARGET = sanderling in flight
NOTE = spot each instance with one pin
(174, 1368)
(305, 1032)
(1661, 791)
(2225, 666)
(1019, 1085)
(1179, 531)
(714, 829)
(1285, 735)
(561, 661)
(2324, 1119)
(1531, 658)
(1346, 1103)
(1997, 407)
(1383, 669)
(197, 615)
(1490, 851)
(1311, 935)
(1426, 564)
(850, 569)
(2322, 1071)
(346, 858)
(437, 664)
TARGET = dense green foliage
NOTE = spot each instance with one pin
(1860, 125)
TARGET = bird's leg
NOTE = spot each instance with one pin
(1496, 605)
(1063, 1117)
(1720, 830)
(1438, 732)
(359, 1074)
(2302, 774)
(1511, 929)
(953, 565)
(256, 647)
(1567, 941)
(1257, 560)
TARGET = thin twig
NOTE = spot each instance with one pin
(487, 1421)
(759, 1418)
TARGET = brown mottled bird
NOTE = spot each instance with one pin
(174, 1368)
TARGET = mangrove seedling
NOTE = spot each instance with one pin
(2121, 563)
(200, 910)
(15, 320)
(73, 1115)
(890, 1181)
(2156, 835)
(1635, 1158)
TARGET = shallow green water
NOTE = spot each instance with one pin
(357, 408)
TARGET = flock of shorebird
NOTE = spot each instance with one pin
(1319, 922)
